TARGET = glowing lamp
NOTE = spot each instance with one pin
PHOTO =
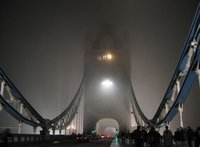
(107, 83)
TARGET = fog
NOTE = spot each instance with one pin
(43, 45)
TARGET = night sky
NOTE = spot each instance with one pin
(42, 45)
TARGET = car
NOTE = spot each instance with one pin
(106, 136)
(103, 136)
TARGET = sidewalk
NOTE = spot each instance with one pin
(117, 143)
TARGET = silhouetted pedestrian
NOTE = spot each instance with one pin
(177, 136)
(144, 136)
(190, 134)
(137, 136)
(154, 137)
(197, 137)
(183, 137)
(122, 137)
(168, 137)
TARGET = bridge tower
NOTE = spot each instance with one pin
(107, 66)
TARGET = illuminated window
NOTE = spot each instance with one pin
(105, 57)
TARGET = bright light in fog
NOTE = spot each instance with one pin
(105, 57)
(107, 83)
(109, 56)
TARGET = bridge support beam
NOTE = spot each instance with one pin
(178, 86)
(1, 107)
(198, 72)
(45, 129)
(166, 107)
(2, 92)
(180, 109)
(2, 88)
(167, 123)
(19, 127)
(20, 122)
(34, 129)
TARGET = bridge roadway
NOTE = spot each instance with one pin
(93, 143)
(104, 143)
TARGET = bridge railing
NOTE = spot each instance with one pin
(37, 139)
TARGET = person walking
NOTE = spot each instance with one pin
(168, 137)
(154, 137)
(190, 135)
(137, 137)
(197, 137)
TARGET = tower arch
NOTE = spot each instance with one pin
(108, 126)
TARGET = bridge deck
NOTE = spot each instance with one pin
(96, 143)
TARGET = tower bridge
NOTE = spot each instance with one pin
(105, 98)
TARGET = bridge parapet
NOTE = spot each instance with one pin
(36, 139)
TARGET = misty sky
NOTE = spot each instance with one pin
(42, 44)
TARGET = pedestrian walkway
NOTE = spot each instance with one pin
(117, 143)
